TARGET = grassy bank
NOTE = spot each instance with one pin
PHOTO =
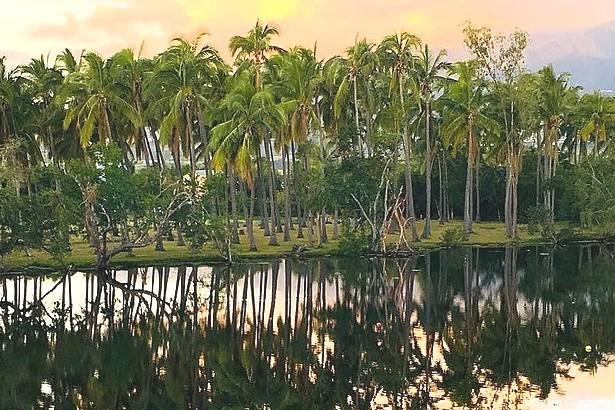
(485, 234)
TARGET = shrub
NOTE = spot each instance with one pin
(539, 221)
(353, 240)
(453, 237)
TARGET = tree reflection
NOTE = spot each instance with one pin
(478, 328)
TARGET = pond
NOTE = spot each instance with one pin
(461, 328)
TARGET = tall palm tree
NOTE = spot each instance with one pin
(428, 78)
(251, 112)
(251, 53)
(358, 65)
(554, 100)
(599, 111)
(42, 82)
(255, 48)
(397, 53)
(185, 71)
(133, 72)
(465, 120)
(96, 103)
(296, 77)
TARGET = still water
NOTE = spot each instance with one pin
(526, 328)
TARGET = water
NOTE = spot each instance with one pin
(480, 328)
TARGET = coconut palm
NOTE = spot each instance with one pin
(183, 75)
(296, 77)
(358, 66)
(465, 120)
(42, 82)
(599, 111)
(255, 48)
(554, 99)
(251, 113)
(428, 78)
(397, 53)
(133, 72)
(96, 103)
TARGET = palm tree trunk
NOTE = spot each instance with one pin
(190, 142)
(477, 200)
(287, 216)
(410, 214)
(467, 206)
(250, 223)
(261, 190)
(233, 192)
(356, 116)
(428, 164)
(273, 240)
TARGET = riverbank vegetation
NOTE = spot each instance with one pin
(376, 150)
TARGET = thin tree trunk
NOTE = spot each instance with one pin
(287, 216)
(233, 192)
(273, 240)
(428, 164)
(467, 206)
(477, 200)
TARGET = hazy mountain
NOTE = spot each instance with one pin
(589, 55)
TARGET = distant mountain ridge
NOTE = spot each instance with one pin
(588, 55)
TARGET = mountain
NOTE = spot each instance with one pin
(588, 55)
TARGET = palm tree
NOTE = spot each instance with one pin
(185, 71)
(396, 53)
(428, 78)
(465, 120)
(255, 48)
(358, 65)
(599, 112)
(554, 99)
(42, 82)
(251, 112)
(296, 77)
(95, 103)
(133, 71)
(251, 53)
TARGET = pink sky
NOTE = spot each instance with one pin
(32, 27)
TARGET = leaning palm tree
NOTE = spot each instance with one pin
(465, 120)
(251, 113)
(397, 54)
(428, 78)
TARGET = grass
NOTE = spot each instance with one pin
(485, 234)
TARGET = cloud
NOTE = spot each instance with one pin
(37, 26)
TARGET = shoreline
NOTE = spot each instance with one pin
(81, 257)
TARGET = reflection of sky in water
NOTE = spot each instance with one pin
(579, 390)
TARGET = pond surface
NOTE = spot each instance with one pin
(470, 328)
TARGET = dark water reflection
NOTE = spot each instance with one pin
(478, 328)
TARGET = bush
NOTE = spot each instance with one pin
(539, 221)
(453, 237)
(353, 240)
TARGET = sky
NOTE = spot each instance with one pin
(33, 27)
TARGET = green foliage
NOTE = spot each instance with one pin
(539, 221)
(453, 237)
(354, 240)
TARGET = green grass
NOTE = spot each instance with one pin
(485, 234)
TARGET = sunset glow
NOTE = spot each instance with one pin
(32, 27)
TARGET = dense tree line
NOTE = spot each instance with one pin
(282, 141)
